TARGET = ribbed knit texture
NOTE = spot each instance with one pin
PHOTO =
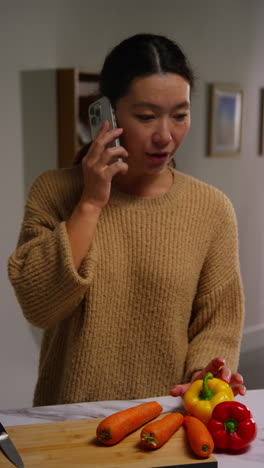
(157, 297)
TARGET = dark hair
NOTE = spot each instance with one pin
(141, 55)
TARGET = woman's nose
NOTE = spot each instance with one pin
(162, 134)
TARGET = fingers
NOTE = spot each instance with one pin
(218, 368)
(224, 373)
(113, 169)
(179, 390)
(100, 165)
(239, 389)
(236, 379)
(221, 371)
(103, 139)
(100, 156)
(215, 365)
(111, 154)
(237, 384)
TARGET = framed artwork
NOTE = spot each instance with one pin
(261, 140)
(225, 120)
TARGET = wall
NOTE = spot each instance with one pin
(224, 43)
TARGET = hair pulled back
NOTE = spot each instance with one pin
(138, 56)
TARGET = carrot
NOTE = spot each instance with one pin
(115, 427)
(156, 433)
(198, 436)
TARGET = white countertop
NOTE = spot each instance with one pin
(252, 458)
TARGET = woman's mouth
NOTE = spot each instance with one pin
(158, 156)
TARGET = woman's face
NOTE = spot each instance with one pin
(155, 116)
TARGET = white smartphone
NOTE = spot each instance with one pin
(99, 111)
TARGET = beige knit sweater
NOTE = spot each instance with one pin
(157, 297)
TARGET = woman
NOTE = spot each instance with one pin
(131, 267)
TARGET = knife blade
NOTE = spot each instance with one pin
(9, 449)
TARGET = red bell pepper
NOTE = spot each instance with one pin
(232, 426)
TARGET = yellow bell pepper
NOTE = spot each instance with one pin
(203, 395)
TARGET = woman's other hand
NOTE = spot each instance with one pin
(218, 368)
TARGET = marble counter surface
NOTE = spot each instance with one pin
(252, 458)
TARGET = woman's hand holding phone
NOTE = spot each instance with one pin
(98, 171)
(100, 165)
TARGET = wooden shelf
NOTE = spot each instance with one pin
(76, 89)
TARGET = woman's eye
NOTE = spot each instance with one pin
(145, 117)
(181, 116)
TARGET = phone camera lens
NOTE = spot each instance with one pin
(94, 120)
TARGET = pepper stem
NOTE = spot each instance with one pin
(230, 425)
(206, 393)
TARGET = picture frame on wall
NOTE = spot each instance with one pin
(225, 120)
(261, 139)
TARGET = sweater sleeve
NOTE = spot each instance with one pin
(42, 270)
(217, 319)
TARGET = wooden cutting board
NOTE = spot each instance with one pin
(72, 444)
